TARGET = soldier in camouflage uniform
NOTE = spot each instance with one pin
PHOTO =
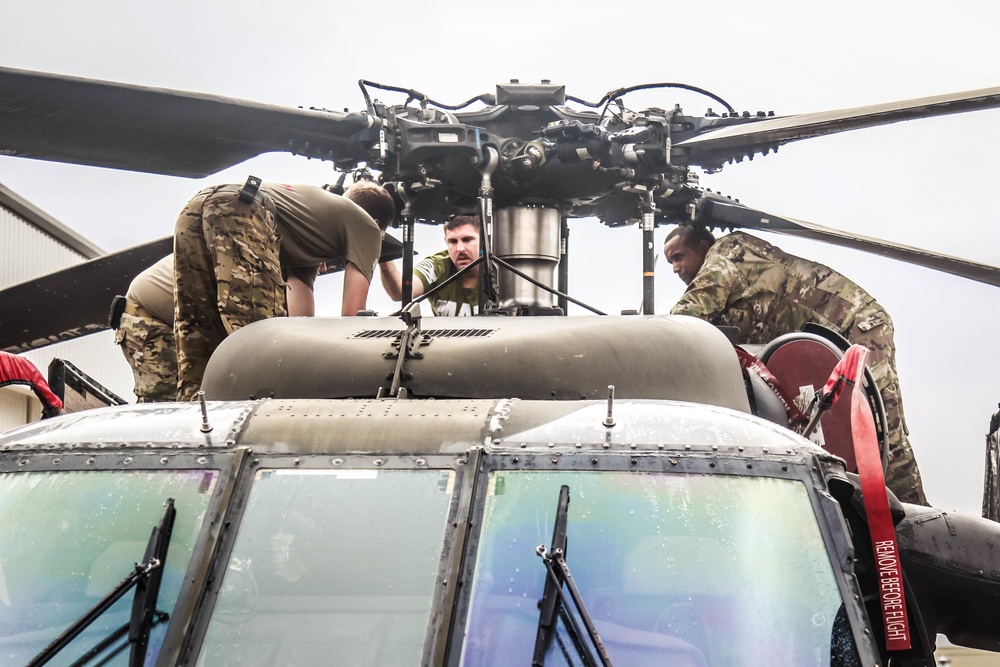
(232, 259)
(146, 333)
(742, 281)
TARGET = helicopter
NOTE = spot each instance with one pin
(699, 529)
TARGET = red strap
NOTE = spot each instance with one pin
(883, 534)
(755, 365)
(18, 370)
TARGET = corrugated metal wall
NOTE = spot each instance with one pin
(26, 252)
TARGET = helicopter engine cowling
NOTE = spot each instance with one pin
(542, 358)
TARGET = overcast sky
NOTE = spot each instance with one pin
(927, 183)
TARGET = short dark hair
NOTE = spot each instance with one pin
(460, 220)
(375, 200)
(691, 235)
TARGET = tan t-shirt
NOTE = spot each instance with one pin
(317, 226)
(153, 289)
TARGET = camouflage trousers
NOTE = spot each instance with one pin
(902, 476)
(227, 274)
(148, 346)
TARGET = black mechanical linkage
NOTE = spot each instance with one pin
(564, 263)
(648, 255)
(488, 297)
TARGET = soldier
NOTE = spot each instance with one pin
(144, 328)
(742, 281)
(246, 253)
(145, 332)
(461, 236)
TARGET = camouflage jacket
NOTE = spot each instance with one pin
(750, 284)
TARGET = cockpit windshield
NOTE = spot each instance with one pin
(332, 567)
(674, 569)
(68, 538)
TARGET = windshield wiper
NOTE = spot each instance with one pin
(147, 576)
(554, 600)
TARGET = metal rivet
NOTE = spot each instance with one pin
(162, 460)
(513, 459)
(739, 449)
(201, 459)
(337, 462)
(632, 446)
(421, 462)
(673, 462)
(57, 460)
(297, 462)
(555, 460)
(607, 446)
(711, 465)
(635, 462)
(593, 462)
(378, 462)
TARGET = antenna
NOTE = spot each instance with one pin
(609, 421)
(205, 426)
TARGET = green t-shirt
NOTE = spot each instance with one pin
(452, 300)
(317, 226)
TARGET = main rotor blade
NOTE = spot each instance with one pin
(160, 131)
(71, 302)
(715, 147)
(727, 213)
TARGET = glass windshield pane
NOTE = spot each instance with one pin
(68, 538)
(674, 570)
(332, 567)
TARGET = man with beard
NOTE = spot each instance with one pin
(461, 297)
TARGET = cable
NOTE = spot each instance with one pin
(545, 287)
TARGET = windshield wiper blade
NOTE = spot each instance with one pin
(148, 588)
(152, 566)
(553, 597)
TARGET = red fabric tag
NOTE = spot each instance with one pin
(888, 569)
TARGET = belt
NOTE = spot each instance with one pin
(132, 308)
(261, 197)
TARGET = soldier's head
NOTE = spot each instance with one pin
(461, 234)
(685, 249)
(375, 200)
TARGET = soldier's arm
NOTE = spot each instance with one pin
(392, 281)
(707, 296)
(300, 297)
(355, 290)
